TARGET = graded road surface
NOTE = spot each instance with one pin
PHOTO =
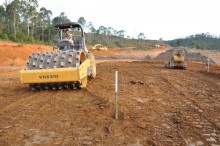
(157, 106)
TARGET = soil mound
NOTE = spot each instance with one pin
(192, 55)
(15, 54)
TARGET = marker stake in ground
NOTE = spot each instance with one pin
(116, 94)
(207, 65)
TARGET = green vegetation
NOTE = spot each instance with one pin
(198, 41)
(23, 21)
(117, 41)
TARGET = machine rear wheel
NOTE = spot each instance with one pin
(93, 66)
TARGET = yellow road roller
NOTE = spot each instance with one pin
(67, 67)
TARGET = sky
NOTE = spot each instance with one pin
(166, 19)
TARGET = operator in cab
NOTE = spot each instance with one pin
(68, 36)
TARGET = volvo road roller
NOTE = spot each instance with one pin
(67, 67)
(177, 60)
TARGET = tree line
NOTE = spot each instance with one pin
(23, 21)
(204, 41)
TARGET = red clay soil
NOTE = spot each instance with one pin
(14, 54)
(157, 106)
(128, 51)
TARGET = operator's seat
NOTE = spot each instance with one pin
(64, 45)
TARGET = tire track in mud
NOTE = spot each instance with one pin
(191, 109)
(195, 116)
(83, 135)
(21, 104)
(134, 109)
(50, 108)
(10, 111)
(29, 112)
(24, 108)
(157, 107)
(177, 86)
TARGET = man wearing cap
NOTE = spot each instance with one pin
(68, 36)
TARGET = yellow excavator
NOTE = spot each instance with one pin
(177, 60)
(67, 68)
(99, 47)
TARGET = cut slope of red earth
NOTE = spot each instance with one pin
(13, 54)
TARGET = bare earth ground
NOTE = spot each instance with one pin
(157, 106)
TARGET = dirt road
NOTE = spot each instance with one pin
(157, 106)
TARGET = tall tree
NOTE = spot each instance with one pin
(2, 17)
(13, 10)
(90, 27)
(82, 21)
(110, 31)
(141, 36)
(44, 21)
(30, 14)
(121, 33)
(62, 18)
(102, 30)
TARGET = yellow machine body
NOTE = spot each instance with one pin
(178, 59)
(56, 75)
(67, 67)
